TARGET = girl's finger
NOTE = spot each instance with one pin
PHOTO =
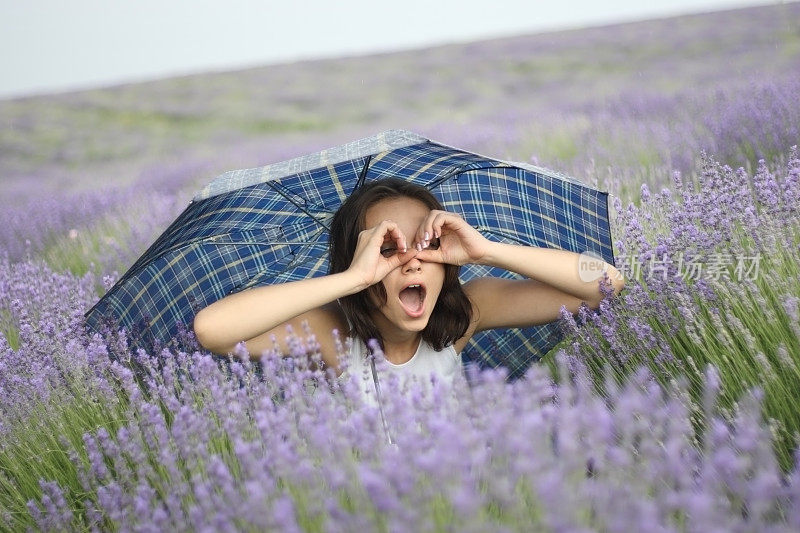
(430, 256)
(440, 220)
(427, 230)
(403, 257)
(384, 228)
(389, 231)
(397, 237)
(435, 224)
(420, 236)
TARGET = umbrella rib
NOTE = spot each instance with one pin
(271, 243)
(460, 170)
(298, 206)
(486, 229)
(363, 175)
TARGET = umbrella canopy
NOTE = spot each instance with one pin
(268, 225)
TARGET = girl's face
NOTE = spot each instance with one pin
(413, 288)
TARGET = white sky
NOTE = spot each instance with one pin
(55, 45)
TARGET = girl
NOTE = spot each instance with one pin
(394, 261)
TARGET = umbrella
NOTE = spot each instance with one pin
(270, 224)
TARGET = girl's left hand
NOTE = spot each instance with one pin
(445, 237)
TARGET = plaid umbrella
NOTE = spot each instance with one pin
(270, 224)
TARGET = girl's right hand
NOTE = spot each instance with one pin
(380, 250)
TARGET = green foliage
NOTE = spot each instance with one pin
(746, 333)
(612, 107)
(49, 446)
(111, 243)
(8, 329)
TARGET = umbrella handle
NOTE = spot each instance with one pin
(380, 399)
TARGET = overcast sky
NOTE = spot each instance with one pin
(55, 45)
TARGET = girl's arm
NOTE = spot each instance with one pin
(554, 275)
(256, 314)
(555, 281)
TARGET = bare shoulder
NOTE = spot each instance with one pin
(470, 290)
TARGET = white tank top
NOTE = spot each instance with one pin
(444, 364)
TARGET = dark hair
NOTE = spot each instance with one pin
(453, 311)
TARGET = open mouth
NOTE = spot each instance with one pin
(413, 299)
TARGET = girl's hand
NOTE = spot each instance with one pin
(380, 250)
(445, 237)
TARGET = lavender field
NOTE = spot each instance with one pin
(672, 409)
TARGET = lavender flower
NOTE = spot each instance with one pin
(667, 409)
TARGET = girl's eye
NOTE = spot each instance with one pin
(433, 244)
(388, 252)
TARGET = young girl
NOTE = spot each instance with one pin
(394, 262)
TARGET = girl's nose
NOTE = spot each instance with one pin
(412, 265)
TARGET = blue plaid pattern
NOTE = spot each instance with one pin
(275, 231)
